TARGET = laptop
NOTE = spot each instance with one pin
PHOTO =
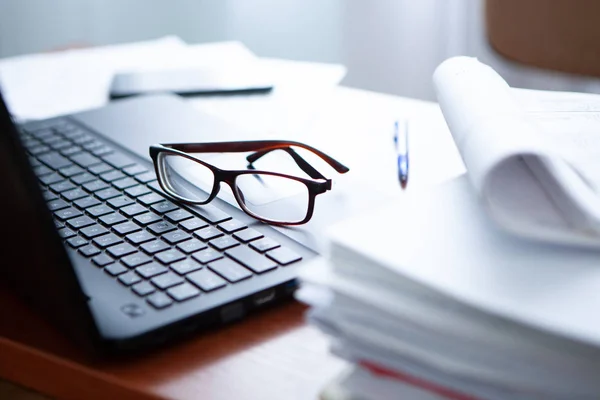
(95, 246)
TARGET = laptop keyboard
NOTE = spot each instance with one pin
(112, 211)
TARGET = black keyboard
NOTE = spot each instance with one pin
(111, 210)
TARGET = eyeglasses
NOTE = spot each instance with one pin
(268, 196)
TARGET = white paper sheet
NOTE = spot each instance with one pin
(45, 85)
(531, 156)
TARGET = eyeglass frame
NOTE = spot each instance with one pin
(259, 149)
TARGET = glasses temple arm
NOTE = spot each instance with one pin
(301, 162)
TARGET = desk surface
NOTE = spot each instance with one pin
(271, 355)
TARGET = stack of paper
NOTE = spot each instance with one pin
(429, 299)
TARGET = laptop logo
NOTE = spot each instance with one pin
(132, 310)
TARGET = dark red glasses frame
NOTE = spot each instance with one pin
(259, 148)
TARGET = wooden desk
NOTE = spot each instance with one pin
(272, 355)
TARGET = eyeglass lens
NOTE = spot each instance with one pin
(274, 198)
(270, 197)
(186, 178)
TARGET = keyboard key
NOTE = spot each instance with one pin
(163, 207)
(107, 193)
(178, 215)
(140, 237)
(102, 260)
(161, 227)
(80, 222)
(112, 175)
(71, 170)
(42, 170)
(133, 209)
(102, 151)
(233, 225)
(66, 233)
(83, 178)
(211, 213)
(143, 288)
(54, 160)
(74, 194)
(185, 266)
(176, 236)
(67, 213)
(34, 162)
(77, 241)
(137, 191)
(51, 178)
(167, 280)
(247, 235)
(87, 202)
(150, 270)
(118, 160)
(60, 144)
(94, 144)
(82, 139)
(57, 204)
(206, 280)
(93, 231)
(146, 177)
(89, 250)
(264, 244)
(99, 210)
(230, 270)
(120, 201)
(115, 269)
(183, 292)
(112, 219)
(129, 278)
(134, 170)
(284, 256)
(150, 199)
(107, 240)
(69, 151)
(257, 262)
(126, 228)
(48, 195)
(84, 159)
(159, 300)
(135, 260)
(224, 243)
(146, 219)
(58, 224)
(124, 183)
(191, 246)
(207, 255)
(37, 150)
(120, 250)
(208, 233)
(169, 256)
(154, 246)
(98, 186)
(100, 168)
(62, 186)
(192, 224)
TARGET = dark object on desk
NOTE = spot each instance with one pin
(95, 246)
(189, 82)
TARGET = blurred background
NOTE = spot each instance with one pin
(390, 46)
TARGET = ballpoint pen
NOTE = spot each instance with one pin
(401, 142)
